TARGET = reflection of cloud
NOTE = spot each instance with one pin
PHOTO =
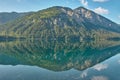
(99, 78)
(84, 74)
(119, 61)
(100, 67)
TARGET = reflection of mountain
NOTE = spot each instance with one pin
(57, 56)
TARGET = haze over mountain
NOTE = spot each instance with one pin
(62, 23)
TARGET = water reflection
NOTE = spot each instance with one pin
(59, 60)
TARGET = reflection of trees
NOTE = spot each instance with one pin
(57, 56)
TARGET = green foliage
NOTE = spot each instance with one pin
(55, 24)
(52, 12)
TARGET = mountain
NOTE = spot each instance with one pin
(62, 23)
(6, 17)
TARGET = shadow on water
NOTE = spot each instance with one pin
(57, 56)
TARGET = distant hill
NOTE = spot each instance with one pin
(62, 23)
(6, 17)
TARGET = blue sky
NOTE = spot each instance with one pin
(107, 8)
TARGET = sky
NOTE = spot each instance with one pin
(108, 8)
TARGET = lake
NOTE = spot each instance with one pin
(59, 60)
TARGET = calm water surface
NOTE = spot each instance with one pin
(42, 60)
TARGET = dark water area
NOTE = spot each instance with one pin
(52, 60)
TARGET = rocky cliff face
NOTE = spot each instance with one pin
(84, 15)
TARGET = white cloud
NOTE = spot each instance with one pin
(84, 2)
(99, 78)
(101, 10)
(100, 0)
(100, 67)
(119, 17)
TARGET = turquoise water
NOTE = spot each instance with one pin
(43, 60)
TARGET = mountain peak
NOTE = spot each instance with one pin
(81, 7)
(58, 10)
(60, 7)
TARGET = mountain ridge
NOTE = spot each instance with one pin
(62, 22)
